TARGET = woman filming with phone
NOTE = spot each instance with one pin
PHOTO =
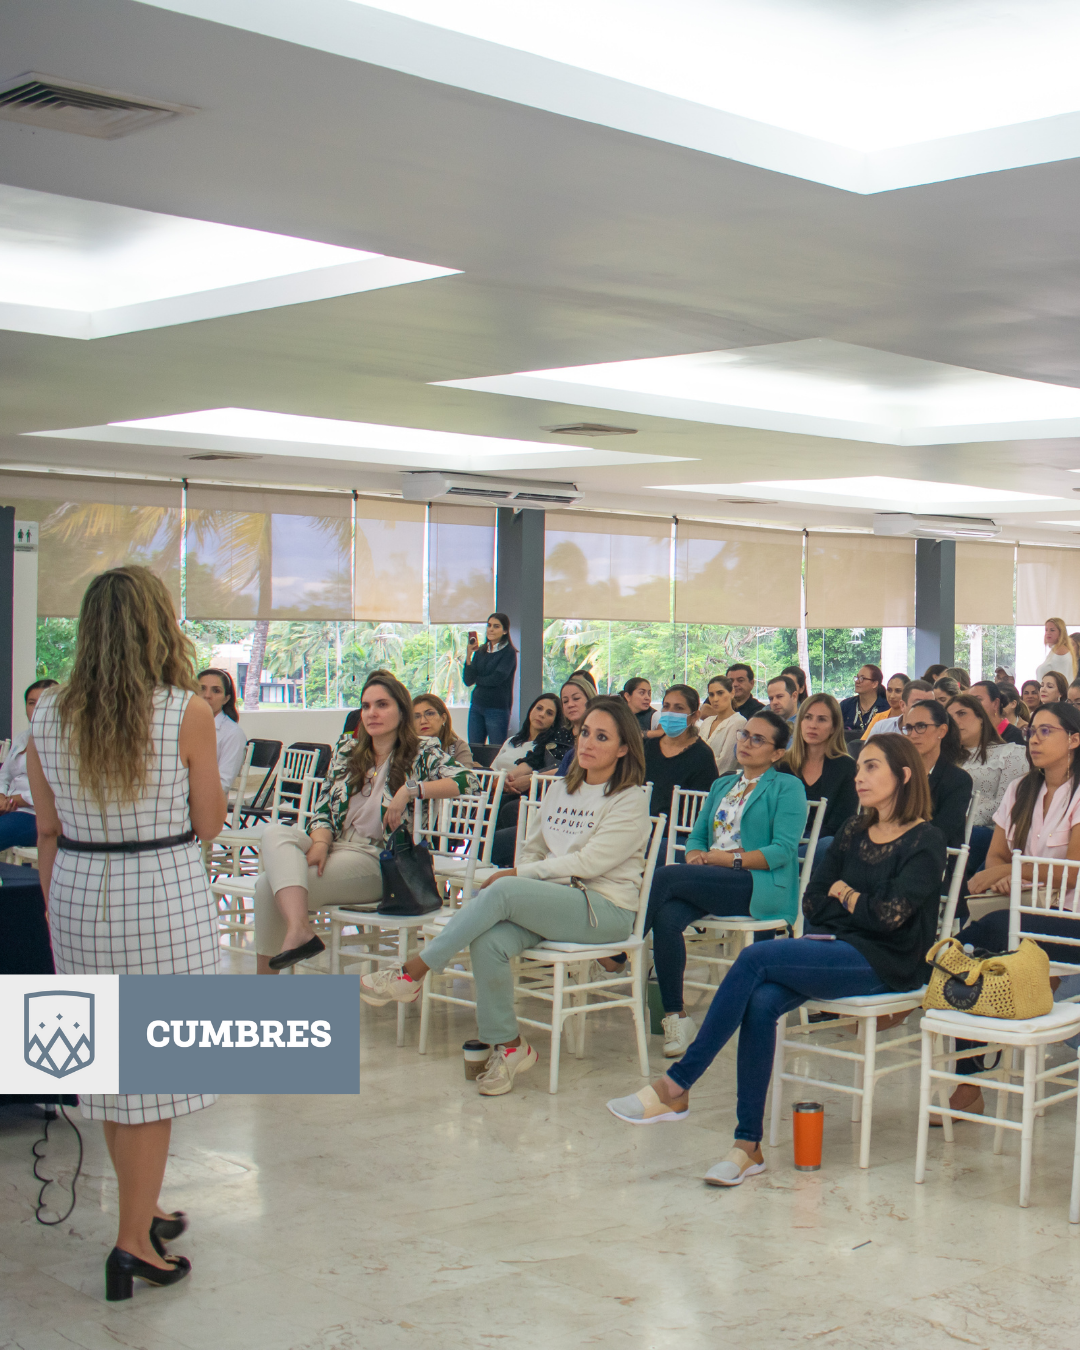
(490, 670)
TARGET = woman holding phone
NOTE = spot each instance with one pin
(490, 670)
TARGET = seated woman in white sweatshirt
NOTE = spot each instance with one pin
(576, 880)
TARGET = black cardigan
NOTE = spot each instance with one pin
(894, 923)
(950, 793)
(492, 675)
(837, 783)
(694, 768)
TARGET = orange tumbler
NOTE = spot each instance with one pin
(808, 1119)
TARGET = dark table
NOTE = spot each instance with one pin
(25, 948)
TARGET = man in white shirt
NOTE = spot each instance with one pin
(915, 691)
(783, 695)
(18, 823)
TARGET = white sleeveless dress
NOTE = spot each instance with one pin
(129, 913)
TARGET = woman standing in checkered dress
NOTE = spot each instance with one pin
(123, 767)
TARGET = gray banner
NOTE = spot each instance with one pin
(239, 1034)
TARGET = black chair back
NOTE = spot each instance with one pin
(265, 755)
(484, 754)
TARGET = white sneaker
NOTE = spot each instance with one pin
(679, 1031)
(386, 984)
(503, 1064)
(734, 1169)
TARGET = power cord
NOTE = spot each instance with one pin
(48, 1181)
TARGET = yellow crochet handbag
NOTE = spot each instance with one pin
(1014, 985)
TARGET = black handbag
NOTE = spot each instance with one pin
(408, 878)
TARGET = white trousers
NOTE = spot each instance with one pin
(350, 877)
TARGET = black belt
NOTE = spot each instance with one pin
(124, 846)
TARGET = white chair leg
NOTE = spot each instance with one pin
(1074, 1199)
(924, 1107)
(870, 1052)
(777, 1107)
(557, 995)
(943, 1091)
(1027, 1124)
(425, 1013)
(1040, 1088)
(403, 956)
(860, 1065)
(1001, 1109)
(637, 1009)
(335, 947)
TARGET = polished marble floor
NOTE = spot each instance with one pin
(420, 1214)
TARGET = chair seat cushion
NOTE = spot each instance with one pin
(233, 886)
(362, 916)
(970, 1027)
(626, 945)
(249, 835)
(738, 923)
(869, 1002)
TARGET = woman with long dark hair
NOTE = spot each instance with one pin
(368, 793)
(638, 694)
(124, 771)
(934, 735)
(539, 744)
(576, 879)
(217, 688)
(489, 669)
(872, 904)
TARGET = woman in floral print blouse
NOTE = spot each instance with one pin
(368, 793)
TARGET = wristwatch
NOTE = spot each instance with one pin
(736, 861)
(413, 785)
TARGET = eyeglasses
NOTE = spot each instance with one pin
(756, 741)
(1043, 731)
(863, 679)
(914, 728)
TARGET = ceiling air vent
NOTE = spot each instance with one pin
(904, 524)
(590, 429)
(221, 454)
(426, 485)
(61, 105)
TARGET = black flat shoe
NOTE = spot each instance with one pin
(289, 958)
(122, 1270)
(166, 1230)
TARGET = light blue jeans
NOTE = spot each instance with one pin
(508, 917)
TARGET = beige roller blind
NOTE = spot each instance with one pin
(729, 575)
(1047, 584)
(859, 581)
(268, 555)
(984, 583)
(389, 560)
(90, 525)
(461, 563)
(607, 567)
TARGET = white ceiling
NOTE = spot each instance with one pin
(572, 244)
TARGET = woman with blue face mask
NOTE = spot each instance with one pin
(678, 757)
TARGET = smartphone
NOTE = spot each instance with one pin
(820, 937)
(472, 637)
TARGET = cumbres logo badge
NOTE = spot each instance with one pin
(58, 1031)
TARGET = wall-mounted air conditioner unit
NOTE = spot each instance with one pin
(935, 527)
(426, 486)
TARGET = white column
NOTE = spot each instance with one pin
(894, 651)
(1030, 651)
(24, 634)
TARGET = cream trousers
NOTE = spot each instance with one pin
(350, 877)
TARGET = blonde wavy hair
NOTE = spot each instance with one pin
(835, 746)
(129, 644)
(1070, 643)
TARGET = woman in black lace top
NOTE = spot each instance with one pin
(871, 912)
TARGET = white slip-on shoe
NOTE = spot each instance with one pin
(679, 1031)
(381, 986)
(646, 1107)
(504, 1064)
(734, 1170)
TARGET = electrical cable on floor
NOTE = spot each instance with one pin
(48, 1181)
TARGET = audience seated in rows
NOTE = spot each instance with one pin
(876, 896)
(431, 717)
(914, 691)
(819, 758)
(799, 676)
(368, 794)
(18, 820)
(678, 757)
(1053, 688)
(1029, 693)
(576, 879)
(932, 673)
(989, 762)
(934, 735)
(783, 695)
(638, 695)
(945, 688)
(868, 700)
(993, 698)
(960, 675)
(719, 723)
(742, 688)
(894, 695)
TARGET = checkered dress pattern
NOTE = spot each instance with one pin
(135, 913)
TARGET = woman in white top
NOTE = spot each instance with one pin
(431, 717)
(577, 880)
(124, 775)
(988, 761)
(218, 690)
(1063, 655)
(18, 823)
(720, 723)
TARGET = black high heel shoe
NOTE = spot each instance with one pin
(292, 955)
(122, 1270)
(166, 1229)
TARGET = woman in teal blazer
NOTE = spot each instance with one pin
(742, 858)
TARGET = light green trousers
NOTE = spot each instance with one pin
(508, 917)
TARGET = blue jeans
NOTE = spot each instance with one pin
(18, 829)
(680, 894)
(488, 725)
(766, 981)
